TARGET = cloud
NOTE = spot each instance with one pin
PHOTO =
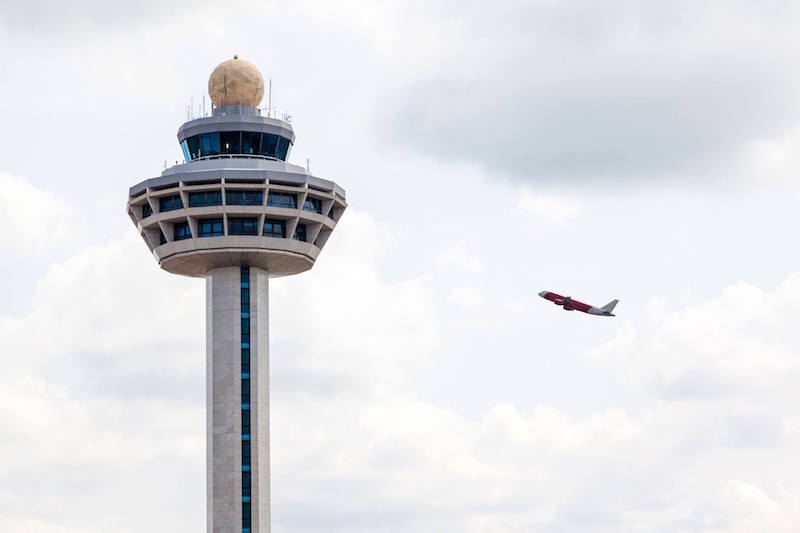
(606, 91)
(739, 343)
(39, 234)
(102, 403)
(552, 210)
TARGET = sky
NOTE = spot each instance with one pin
(645, 151)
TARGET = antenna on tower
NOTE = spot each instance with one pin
(308, 165)
(204, 105)
(191, 105)
(269, 109)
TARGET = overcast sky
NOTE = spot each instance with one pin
(646, 151)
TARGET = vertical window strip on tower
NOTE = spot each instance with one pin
(244, 285)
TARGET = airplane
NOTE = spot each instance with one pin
(571, 305)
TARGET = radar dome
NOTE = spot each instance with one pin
(236, 81)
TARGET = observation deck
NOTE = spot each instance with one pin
(235, 201)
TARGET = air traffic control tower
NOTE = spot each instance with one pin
(236, 213)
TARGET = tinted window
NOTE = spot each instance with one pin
(205, 198)
(242, 226)
(274, 228)
(300, 233)
(244, 197)
(146, 210)
(283, 148)
(236, 142)
(269, 145)
(231, 142)
(185, 148)
(170, 203)
(209, 144)
(245, 361)
(250, 142)
(193, 144)
(181, 231)
(282, 199)
(211, 227)
(313, 204)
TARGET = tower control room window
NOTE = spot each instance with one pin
(269, 145)
(244, 197)
(275, 228)
(236, 142)
(205, 198)
(170, 203)
(251, 142)
(210, 227)
(283, 148)
(231, 142)
(282, 199)
(209, 144)
(242, 226)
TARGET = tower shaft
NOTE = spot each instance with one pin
(237, 385)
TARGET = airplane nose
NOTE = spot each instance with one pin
(543, 294)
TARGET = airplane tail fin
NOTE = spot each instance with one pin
(609, 307)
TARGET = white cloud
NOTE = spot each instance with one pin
(33, 218)
(742, 341)
(550, 209)
(102, 401)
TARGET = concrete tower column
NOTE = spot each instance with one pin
(237, 386)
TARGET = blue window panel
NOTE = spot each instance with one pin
(193, 147)
(283, 148)
(269, 145)
(244, 197)
(246, 345)
(251, 142)
(313, 204)
(146, 210)
(185, 148)
(205, 198)
(245, 375)
(282, 199)
(242, 226)
(246, 516)
(300, 233)
(245, 498)
(231, 142)
(275, 228)
(209, 144)
(210, 227)
(181, 231)
(170, 203)
(245, 468)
